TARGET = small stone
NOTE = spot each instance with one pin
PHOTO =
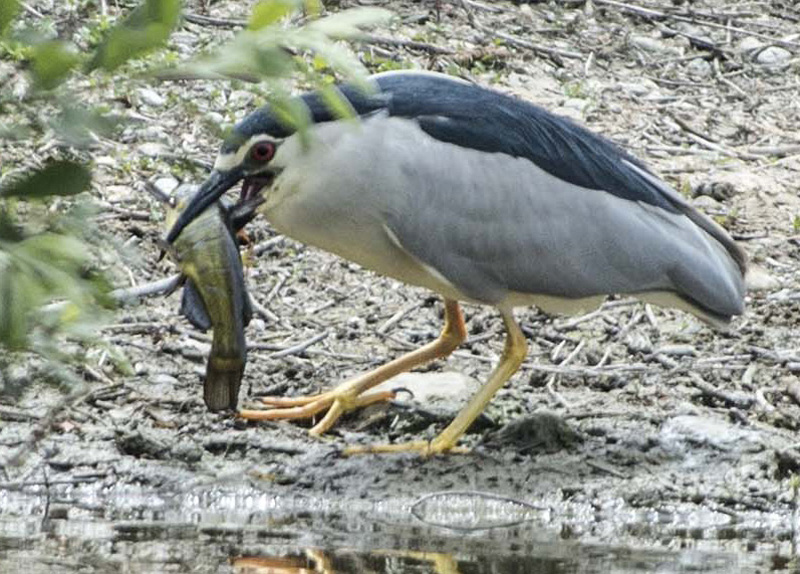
(676, 350)
(154, 133)
(445, 392)
(142, 444)
(773, 55)
(652, 45)
(718, 190)
(240, 98)
(166, 185)
(151, 98)
(163, 379)
(215, 118)
(759, 279)
(639, 343)
(678, 432)
(706, 203)
(749, 45)
(541, 432)
(152, 149)
(187, 451)
(636, 88)
(698, 68)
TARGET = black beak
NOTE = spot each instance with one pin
(212, 189)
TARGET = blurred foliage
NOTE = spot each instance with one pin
(50, 282)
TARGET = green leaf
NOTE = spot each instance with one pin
(51, 63)
(243, 59)
(147, 27)
(8, 11)
(79, 126)
(336, 102)
(348, 23)
(268, 12)
(57, 178)
(19, 294)
(67, 252)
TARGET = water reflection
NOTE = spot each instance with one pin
(234, 531)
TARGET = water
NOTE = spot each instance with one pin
(248, 531)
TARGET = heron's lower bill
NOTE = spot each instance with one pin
(251, 186)
(215, 297)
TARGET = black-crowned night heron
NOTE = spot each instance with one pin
(483, 198)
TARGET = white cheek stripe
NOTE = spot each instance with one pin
(228, 161)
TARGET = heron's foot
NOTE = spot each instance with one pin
(344, 398)
(438, 445)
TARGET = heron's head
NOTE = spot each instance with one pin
(247, 156)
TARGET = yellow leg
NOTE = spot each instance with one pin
(513, 354)
(348, 395)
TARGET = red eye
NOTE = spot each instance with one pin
(263, 151)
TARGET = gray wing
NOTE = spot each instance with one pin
(492, 224)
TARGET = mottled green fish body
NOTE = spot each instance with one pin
(214, 296)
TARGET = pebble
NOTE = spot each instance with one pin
(750, 45)
(166, 185)
(676, 350)
(652, 45)
(163, 379)
(759, 279)
(707, 203)
(154, 133)
(773, 55)
(151, 98)
(152, 149)
(448, 390)
(698, 68)
(703, 431)
(215, 118)
(187, 451)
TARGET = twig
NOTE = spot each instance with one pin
(31, 10)
(655, 14)
(514, 41)
(735, 400)
(208, 21)
(293, 350)
(606, 468)
(159, 287)
(413, 44)
(397, 317)
(264, 311)
(264, 246)
(480, 6)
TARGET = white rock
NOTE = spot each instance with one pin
(750, 44)
(151, 98)
(652, 45)
(758, 279)
(215, 117)
(152, 149)
(154, 133)
(166, 185)
(705, 202)
(449, 389)
(163, 379)
(773, 55)
(686, 432)
(699, 68)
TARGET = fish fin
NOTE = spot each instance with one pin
(193, 307)
(221, 386)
